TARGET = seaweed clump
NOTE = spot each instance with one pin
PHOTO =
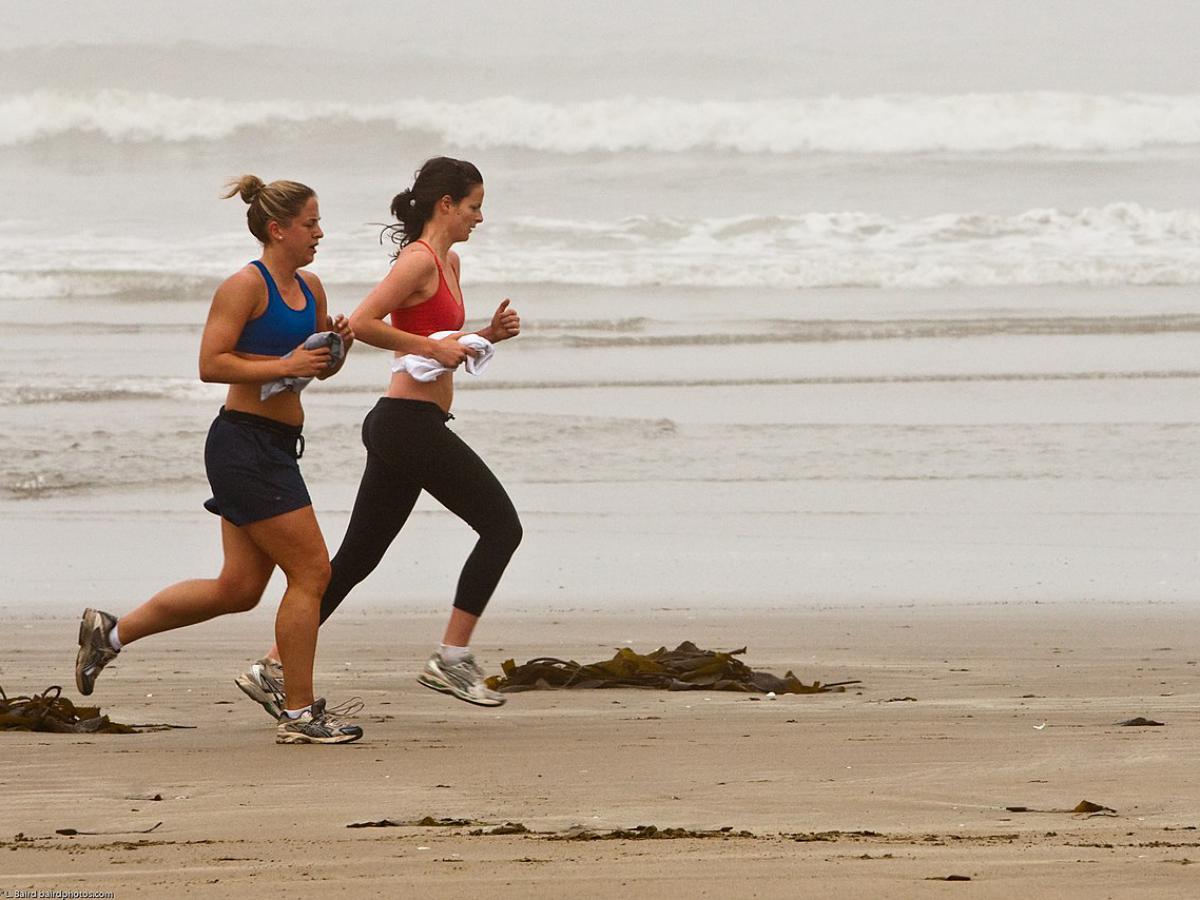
(686, 668)
(50, 711)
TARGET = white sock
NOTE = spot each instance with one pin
(296, 713)
(114, 639)
(453, 655)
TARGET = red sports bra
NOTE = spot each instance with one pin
(441, 312)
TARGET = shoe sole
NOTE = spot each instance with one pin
(436, 684)
(255, 693)
(86, 627)
(309, 739)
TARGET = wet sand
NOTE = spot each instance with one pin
(963, 710)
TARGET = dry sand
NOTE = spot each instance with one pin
(962, 711)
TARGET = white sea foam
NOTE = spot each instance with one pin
(1115, 244)
(132, 283)
(881, 124)
(1118, 244)
(63, 390)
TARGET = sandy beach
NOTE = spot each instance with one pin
(862, 335)
(963, 711)
(1004, 558)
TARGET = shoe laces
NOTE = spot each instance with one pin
(468, 663)
(347, 708)
(328, 720)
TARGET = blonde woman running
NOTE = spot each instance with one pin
(257, 325)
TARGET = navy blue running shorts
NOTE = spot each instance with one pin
(253, 469)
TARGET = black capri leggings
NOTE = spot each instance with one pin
(409, 448)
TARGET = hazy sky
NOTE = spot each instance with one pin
(701, 48)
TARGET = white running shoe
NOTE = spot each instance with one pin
(263, 683)
(95, 651)
(316, 726)
(464, 680)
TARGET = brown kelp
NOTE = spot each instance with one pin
(686, 668)
(50, 711)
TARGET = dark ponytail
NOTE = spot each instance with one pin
(413, 208)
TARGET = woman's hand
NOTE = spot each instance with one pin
(306, 363)
(505, 323)
(449, 352)
(342, 326)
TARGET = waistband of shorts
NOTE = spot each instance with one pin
(283, 429)
(416, 407)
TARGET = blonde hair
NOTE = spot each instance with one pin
(279, 201)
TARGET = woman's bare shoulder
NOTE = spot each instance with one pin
(313, 282)
(246, 284)
(416, 259)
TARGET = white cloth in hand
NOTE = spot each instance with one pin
(297, 383)
(423, 368)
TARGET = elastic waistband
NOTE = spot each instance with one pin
(419, 407)
(283, 435)
(283, 429)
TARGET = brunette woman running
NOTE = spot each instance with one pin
(409, 446)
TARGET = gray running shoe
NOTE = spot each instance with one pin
(316, 726)
(263, 684)
(95, 652)
(465, 680)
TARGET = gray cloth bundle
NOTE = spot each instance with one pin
(337, 352)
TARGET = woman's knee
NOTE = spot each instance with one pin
(239, 592)
(504, 534)
(311, 575)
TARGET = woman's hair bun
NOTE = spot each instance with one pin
(248, 187)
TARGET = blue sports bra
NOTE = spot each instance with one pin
(280, 329)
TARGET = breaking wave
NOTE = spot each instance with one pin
(880, 124)
(1117, 244)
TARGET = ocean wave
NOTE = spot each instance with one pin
(836, 330)
(881, 124)
(1118, 244)
(51, 391)
(131, 284)
(828, 380)
(609, 450)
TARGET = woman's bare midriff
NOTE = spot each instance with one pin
(440, 391)
(282, 407)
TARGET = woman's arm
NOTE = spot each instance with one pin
(341, 324)
(232, 306)
(407, 284)
(505, 324)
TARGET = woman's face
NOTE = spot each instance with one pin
(467, 213)
(299, 237)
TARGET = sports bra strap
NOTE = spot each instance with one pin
(264, 271)
(273, 288)
(437, 262)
